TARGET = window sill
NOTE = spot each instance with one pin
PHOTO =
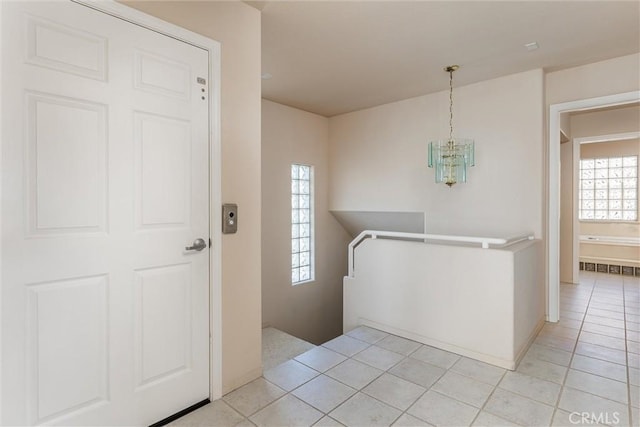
(303, 283)
(608, 221)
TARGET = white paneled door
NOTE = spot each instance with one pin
(105, 172)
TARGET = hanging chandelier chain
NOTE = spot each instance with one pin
(450, 69)
(450, 105)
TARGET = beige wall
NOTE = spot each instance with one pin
(629, 147)
(237, 27)
(610, 77)
(607, 122)
(379, 158)
(566, 213)
(617, 75)
(589, 124)
(311, 311)
(565, 124)
(585, 125)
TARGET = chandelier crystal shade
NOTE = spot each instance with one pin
(451, 157)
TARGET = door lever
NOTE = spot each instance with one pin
(198, 245)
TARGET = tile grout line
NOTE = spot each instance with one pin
(421, 394)
(575, 346)
(361, 389)
(495, 387)
(586, 356)
(403, 412)
(626, 353)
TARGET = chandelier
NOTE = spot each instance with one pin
(452, 156)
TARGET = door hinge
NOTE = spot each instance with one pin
(209, 241)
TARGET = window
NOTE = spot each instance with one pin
(301, 224)
(609, 189)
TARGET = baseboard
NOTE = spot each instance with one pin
(529, 341)
(462, 351)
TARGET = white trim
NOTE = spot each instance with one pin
(553, 190)
(152, 23)
(118, 10)
(608, 138)
(398, 235)
(215, 228)
(609, 240)
(1, 336)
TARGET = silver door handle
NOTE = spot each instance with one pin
(198, 245)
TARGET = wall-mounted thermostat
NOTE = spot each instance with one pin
(229, 218)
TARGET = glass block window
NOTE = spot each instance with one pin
(301, 224)
(608, 189)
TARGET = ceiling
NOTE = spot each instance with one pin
(333, 57)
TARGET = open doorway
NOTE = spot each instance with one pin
(599, 226)
(554, 190)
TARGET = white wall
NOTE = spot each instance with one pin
(237, 27)
(487, 304)
(379, 158)
(311, 311)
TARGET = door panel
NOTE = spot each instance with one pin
(163, 171)
(68, 337)
(163, 326)
(162, 76)
(67, 159)
(64, 48)
(105, 315)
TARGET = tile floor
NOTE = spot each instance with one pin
(588, 363)
(278, 347)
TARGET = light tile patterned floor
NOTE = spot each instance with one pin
(589, 363)
(278, 347)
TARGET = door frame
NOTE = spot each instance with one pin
(553, 189)
(151, 23)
